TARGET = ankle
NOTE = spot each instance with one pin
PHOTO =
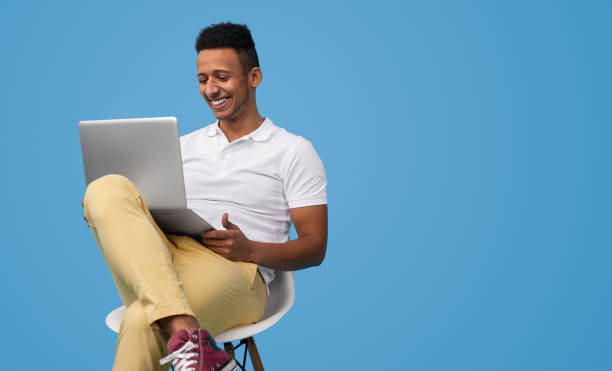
(174, 323)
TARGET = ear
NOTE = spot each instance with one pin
(254, 76)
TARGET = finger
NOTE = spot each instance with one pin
(217, 234)
(213, 242)
(220, 250)
(227, 224)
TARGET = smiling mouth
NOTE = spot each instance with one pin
(220, 103)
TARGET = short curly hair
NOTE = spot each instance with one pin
(230, 35)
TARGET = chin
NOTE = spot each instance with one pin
(223, 115)
(228, 114)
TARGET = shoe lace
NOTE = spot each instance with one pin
(180, 358)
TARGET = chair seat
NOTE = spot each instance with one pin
(280, 300)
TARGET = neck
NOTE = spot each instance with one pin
(237, 127)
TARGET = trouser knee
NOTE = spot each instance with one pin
(106, 192)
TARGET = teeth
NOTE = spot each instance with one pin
(218, 102)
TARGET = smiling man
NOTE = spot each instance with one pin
(250, 179)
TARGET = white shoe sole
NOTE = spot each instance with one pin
(231, 366)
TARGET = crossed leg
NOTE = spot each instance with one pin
(163, 277)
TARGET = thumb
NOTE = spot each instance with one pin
(227, 224)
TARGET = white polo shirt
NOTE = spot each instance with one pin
(256, 179)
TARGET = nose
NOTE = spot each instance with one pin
(211, 90)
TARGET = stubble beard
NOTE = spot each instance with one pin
(241, 105)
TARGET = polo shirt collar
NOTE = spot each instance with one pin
(263, 132)
(214, 129)
(260, 134)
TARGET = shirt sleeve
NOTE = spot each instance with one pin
(304, 180)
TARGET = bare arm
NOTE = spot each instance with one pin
(306, 251)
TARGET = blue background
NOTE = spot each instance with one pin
(467, 148)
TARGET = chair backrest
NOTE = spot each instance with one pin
(280, 300)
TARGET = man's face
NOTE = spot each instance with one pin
(223, 83)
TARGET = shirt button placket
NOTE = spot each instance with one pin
(222, 162)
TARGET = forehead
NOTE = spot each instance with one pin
(218, 59)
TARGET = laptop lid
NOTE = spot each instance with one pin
(145, 150)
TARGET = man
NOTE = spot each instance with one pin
(250, 179)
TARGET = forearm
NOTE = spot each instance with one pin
(304, 252)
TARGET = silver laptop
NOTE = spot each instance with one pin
(146, 151)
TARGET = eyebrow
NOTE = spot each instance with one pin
(215, 72)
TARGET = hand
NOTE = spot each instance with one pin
(84, 217)
(232, 244)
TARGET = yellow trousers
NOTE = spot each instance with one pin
(160, 275)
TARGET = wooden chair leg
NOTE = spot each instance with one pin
(229, 348)
(255, 359)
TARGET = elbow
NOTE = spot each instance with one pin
(320, 255)
(318, 261)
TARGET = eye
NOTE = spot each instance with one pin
(223, 78)
(203, 81)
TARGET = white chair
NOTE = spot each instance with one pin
(280, 300)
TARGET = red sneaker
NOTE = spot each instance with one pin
(197, 352)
